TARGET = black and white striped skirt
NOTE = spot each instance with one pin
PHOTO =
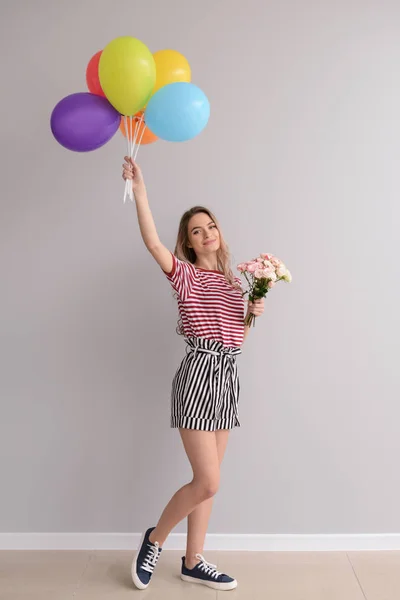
(205, 388)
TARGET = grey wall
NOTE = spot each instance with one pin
(300, 158)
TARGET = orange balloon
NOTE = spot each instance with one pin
(146, 137)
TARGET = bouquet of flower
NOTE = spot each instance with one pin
(262, 273)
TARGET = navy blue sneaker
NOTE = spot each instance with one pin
(207, 574)
(145, 560)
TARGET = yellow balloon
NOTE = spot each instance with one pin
(127, 74)
(171, 67)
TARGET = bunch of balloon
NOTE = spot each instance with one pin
(147, 96)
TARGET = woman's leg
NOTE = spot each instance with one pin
(201, 449)
(199, 517)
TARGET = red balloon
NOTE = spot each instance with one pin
(92, 75)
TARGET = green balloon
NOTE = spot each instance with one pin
(127, 74)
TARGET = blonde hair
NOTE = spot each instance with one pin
(183, 252)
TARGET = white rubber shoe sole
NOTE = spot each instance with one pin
(215, 585)
(135, 578)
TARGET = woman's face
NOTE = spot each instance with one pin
(203, 234)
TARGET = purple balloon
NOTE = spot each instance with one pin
(83, 122)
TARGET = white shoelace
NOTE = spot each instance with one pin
(152, 555)
(208, 568)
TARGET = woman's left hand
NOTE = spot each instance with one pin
(256, 307)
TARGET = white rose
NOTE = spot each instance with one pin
(281, 271)
(288, 276)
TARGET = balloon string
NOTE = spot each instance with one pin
(130, 190)
(133, 145)
(126, 133)
(130, 127)
(140, 141)
(128, 143)
(137, 125)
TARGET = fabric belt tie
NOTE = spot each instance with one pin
(222, 364)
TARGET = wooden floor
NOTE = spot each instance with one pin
(100, 575)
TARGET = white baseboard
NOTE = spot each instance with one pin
(215, 541)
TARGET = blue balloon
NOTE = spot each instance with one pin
(177, 112)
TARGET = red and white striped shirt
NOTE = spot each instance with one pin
(208, 305)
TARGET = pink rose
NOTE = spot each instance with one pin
(242, 267)
(252, 266)
(271, 284)
(265, 274)
(259, 274)
(276, 262)
(269, 265)
(266, 256)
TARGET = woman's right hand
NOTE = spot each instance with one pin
(133, 172)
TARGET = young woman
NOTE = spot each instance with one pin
(205, 389)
